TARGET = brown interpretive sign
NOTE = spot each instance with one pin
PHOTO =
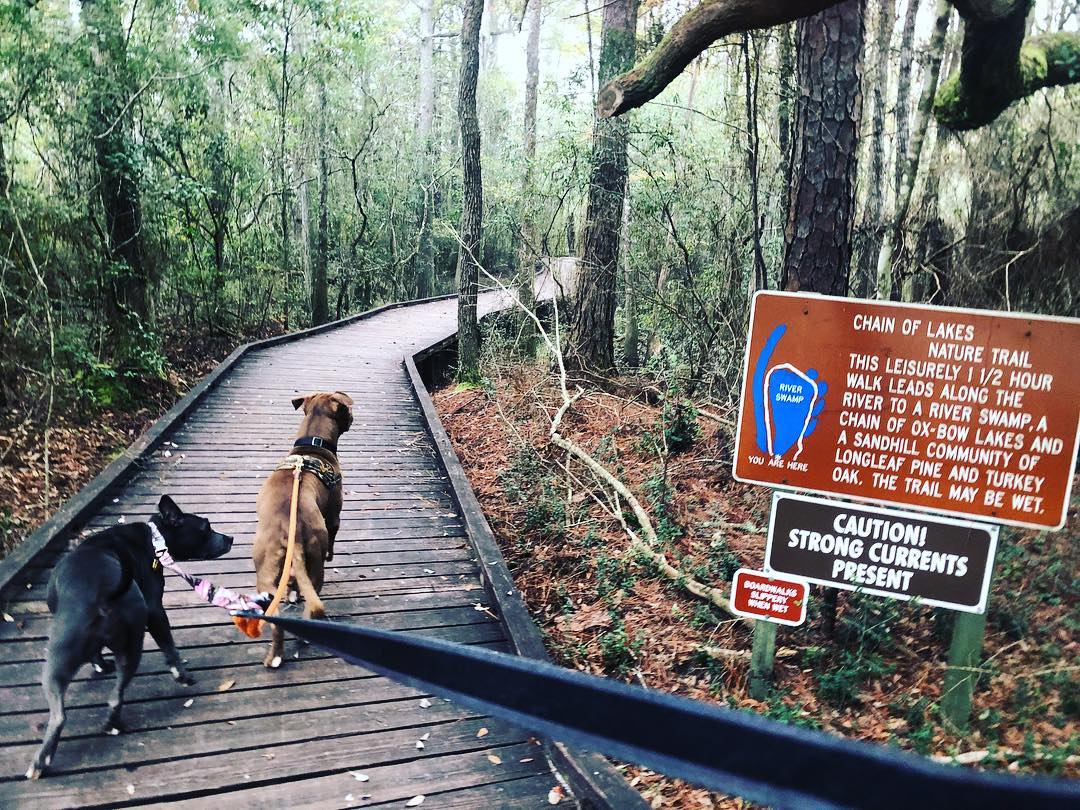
(945, 562)
(949, 410)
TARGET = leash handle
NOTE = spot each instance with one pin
(283, 584)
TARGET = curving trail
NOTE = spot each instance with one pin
(243, 734)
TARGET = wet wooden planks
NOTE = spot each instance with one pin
(295, 736)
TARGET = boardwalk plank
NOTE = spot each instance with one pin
(404, 562)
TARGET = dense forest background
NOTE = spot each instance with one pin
(221, 169)
(179, 177)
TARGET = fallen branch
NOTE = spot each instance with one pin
(975, 757)
(647, 547)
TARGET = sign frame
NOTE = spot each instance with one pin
(787, 578)
(990, 528)
(969, 516)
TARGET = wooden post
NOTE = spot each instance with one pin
(761, 659)
(965, 655)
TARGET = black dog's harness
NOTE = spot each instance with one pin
(322, 469)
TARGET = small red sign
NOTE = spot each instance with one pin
(758, 595)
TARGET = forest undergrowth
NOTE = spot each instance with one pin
(877, 676)
(89, 425)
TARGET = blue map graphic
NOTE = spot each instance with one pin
(787, 401)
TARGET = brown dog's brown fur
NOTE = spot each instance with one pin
(318, 514)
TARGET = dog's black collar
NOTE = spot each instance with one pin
(316, 441)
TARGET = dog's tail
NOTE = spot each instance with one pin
(313, 606)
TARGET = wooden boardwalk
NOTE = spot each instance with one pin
(292, 737)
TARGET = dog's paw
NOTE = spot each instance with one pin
(273, 662)
(329, 555)
(183, 677)
(36, 769)
(113, 727)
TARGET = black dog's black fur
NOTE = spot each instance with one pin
(106, 593)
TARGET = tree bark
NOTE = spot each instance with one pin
(902, 111)
(320, 304)
(473, 204)
(886, 284)
(999, 66)
(283, 177)
(825, 141)
(783, 109)
(425, 252)
(630, 356)
(529, 252)
(590, 339)
(127, 301)
(873, 224)
(750, 76)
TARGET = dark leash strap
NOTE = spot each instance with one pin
(720, 749)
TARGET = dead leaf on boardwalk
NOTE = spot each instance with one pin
(494, 760)
(8, 617)
(555, 795)
(482, 732)
(188, 703)
(359, 777)
(225, 686)
(586, 619)
(131, 790)
(268, 755)
(425, 703)
(415, 801)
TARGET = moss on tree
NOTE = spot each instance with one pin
(1000, 67)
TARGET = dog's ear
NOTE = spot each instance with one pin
(344, 409)
(168, 510)
(298, 401)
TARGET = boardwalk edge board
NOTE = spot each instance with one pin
(90, 496)
(595, 781)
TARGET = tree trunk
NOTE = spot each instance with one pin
(588, 39)
(283, 175)
(873, 224)
(630, 356)
(783, 109)
(590, 338)
(425, 253)
(825, 151)
(320, 304)
(902, 111)
(127, 300)
(999, 65)
(886, 284)
(529, 252)
(750, 76)
(473, 206)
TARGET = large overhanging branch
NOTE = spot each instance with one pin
(998, 66)
(694, 32)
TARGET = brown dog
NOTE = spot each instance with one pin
(318, 513)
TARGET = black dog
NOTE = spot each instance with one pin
(107, 593)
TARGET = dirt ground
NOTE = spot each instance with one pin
(877, 676)
(82, 438)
